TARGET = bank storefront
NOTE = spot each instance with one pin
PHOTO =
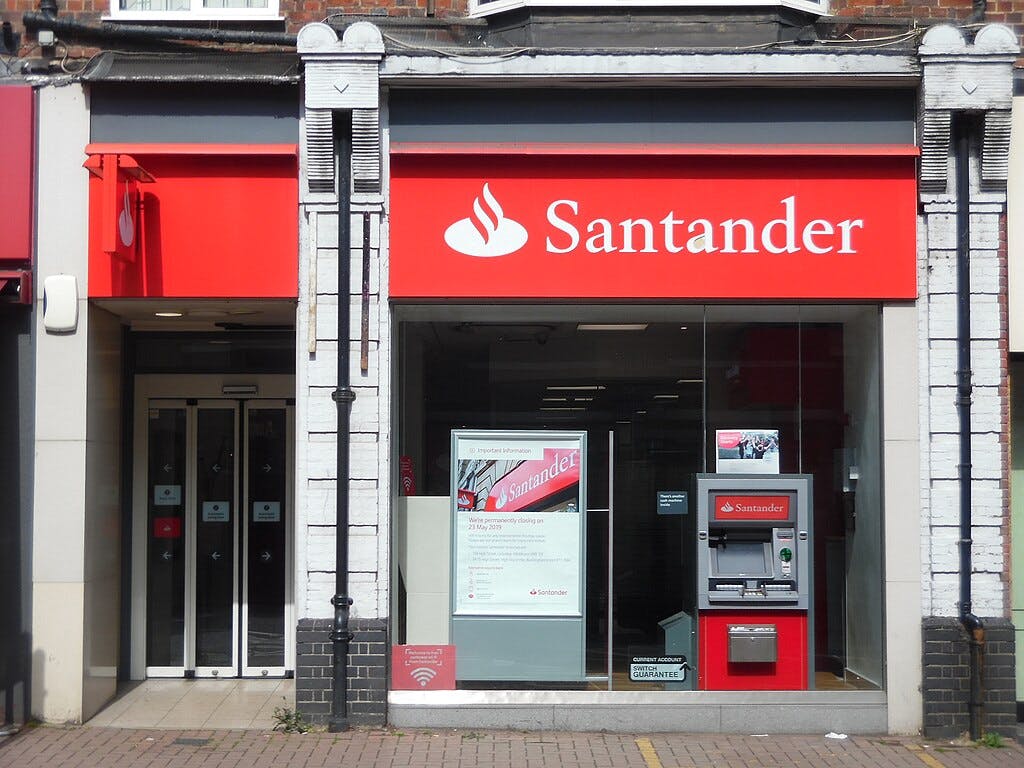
(638, 424)
(654, 405)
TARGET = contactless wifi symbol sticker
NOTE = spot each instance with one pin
(423, 675)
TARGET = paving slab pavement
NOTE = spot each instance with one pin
(85, 747)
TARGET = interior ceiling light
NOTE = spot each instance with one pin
(583, 399)
(555, 399)
(561, 408)
(577, 388)
(689, 381)
(168, 314)
(611, 327)
(682, 328)
(666, 397)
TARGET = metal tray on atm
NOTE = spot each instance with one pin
(753, 643)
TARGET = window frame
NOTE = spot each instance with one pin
(481, 8)
(197, 12)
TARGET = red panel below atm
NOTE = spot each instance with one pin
(790, 672)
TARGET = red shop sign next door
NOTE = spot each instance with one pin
(211, 221)
(694, 227)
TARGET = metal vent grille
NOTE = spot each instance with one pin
(365, 150)
(995, 154)
(935, 138)
(320, 150)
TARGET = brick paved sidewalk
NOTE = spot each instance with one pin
(123, 748)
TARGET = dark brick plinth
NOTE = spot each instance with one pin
(367, 671)
(946, 684)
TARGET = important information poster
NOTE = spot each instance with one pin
(518, 524)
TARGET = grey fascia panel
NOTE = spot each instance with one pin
(689, 66)
(176, 113)
(654, 116)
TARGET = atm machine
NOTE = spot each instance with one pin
(754, 576)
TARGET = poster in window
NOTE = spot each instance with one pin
(518, 524)
(747, 451)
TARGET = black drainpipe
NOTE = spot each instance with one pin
(972, 624)
(146, 33)
(343, 397)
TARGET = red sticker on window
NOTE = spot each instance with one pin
(166, 527)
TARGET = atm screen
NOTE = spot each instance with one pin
(742, 558)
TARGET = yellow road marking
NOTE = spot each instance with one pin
(650, 754)
(924, 757)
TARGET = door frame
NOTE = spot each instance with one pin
(187, 387)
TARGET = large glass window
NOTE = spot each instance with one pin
(651, 393)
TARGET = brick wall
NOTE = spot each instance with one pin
(998, 11)
(946, 684)
(301, 12)
(297, 14)
(854, 16)
(367, 671)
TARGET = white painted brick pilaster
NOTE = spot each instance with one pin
(962, 76)
(342, 75)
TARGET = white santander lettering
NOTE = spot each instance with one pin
(603, 240)
(784, 234)
(729, 227)
(669, 223)
(628, 227)
(788, 223)
(705, 241)
(563, 226)
(845, 227)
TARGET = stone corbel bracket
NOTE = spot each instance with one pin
(966, 77)
(341, 75)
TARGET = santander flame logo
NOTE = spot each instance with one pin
(487, 233)
(125, 223)
(727, 507)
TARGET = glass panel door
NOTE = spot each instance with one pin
(266, 563)
(165, 533)
(216, 541)
(219, 540)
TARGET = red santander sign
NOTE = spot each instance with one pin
(535, 480)
(751, 507)
(668, 227)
